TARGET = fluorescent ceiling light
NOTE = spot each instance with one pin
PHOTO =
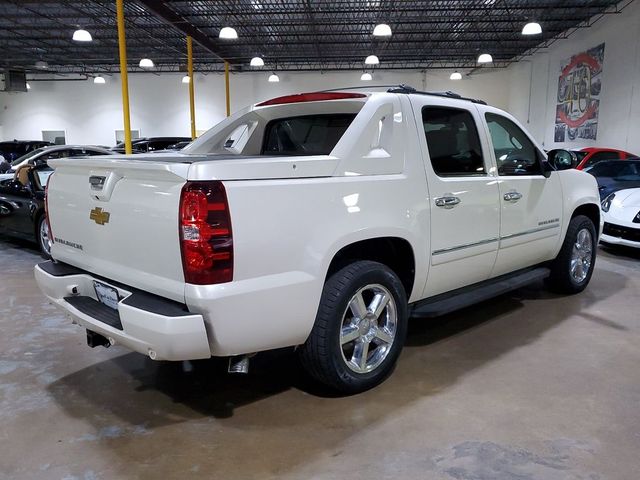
(274, 78)
(228, 33)
(99, 80)
(372, 60)
(28, 86)
(256, 62)
(382, 30)
(41, 64)
(485, 58)
(146, 63)
(455, 76)
(186, 79)
(81, 35)
(532, 28)
(366, 77)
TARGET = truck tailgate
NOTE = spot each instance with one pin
(119, 219)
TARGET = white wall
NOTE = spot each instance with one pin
(159, 103)
(618, 125)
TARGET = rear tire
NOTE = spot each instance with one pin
(572, 269)
(42, 236)
(359, 330)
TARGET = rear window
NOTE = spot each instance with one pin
(305, 135)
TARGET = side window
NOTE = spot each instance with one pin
(453, 142)
(515, 153)
(600, 156)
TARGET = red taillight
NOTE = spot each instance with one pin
(46, 207)
(205, 233)
(311, 97)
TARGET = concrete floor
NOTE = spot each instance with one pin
(527, 386)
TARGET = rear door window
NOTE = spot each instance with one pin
(453, 142)
(305, 135)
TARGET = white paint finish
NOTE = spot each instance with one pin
(620, 98)
(90, 113)
(623, 209)
(141, 238)
(170, 338)
(286, 231)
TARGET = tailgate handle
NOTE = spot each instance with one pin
(101, 186)
(97, 182)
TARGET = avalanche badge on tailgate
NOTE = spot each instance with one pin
(99, 216)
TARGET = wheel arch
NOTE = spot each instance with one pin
(591, 211)
(394, 252)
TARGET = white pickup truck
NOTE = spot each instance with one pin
(321, 221)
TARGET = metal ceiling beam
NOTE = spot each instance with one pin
(161, 10)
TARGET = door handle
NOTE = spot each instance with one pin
(512, 196)
(447, 202)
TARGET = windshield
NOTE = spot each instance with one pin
(32, 153)
(622, 170)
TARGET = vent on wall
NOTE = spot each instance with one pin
(15, 81)
(57, 137)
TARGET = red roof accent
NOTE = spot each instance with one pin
(310, 97)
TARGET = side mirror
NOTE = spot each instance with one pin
(562, 159)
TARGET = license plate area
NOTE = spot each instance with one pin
(106, 295)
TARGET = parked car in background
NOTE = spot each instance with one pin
(589, 156)
(22, 212)
(614, 175)
(41, 155)
(173, 148)
(17, 148)
(144, 145)
(622, 218)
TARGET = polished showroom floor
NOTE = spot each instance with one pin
(528, 386)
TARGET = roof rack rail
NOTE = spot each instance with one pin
(409, 89)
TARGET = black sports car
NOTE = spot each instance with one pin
(22, 211)
(614, 175)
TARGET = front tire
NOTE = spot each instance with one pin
(42, 236)
(359, 330)
(572, 269)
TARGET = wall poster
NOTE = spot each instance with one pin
(579, 88)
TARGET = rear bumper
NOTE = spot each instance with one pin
(145, 323)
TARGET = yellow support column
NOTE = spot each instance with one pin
(122, 46)
(226, 87)
(192, 106)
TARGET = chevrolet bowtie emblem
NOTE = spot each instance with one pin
(98, 216)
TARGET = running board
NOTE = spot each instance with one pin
(464, 297)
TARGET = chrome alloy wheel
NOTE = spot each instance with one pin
(368, 328)
(581, 256)
(45, 241)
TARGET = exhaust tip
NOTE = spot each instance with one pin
(239, 364)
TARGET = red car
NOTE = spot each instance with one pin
(589, 156)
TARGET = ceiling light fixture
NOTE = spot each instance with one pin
(186, 79)
(382, 30)
(485, 58)
(228, 33)
(41, 64)
(99, 80)
(82, 35)
(256, 62)
(371, 60)
(274, 78)
(366, 77)
(455, 76)
(146, 63)
(532, 28)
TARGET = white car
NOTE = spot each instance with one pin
(622, 218)
(319, 221)
(41, 155)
